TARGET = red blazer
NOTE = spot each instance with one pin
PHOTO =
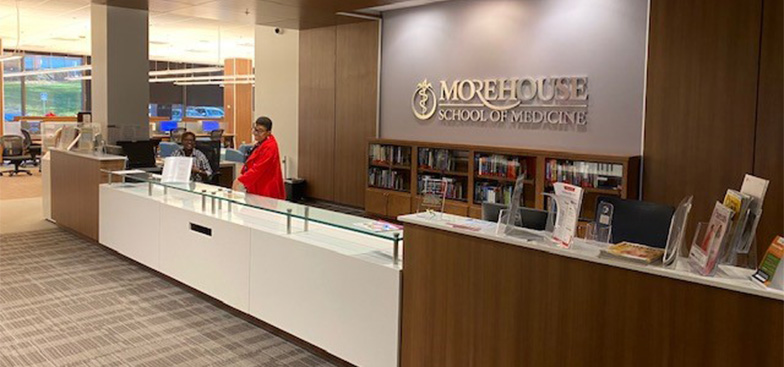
(261, 174)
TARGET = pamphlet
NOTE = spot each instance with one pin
(379, 226)
(704, 255)
(177, 169)
(570, 198)
(633, 252)
(770, 273)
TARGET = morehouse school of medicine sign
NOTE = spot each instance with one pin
(544, 100)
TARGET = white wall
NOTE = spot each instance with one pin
(604, 40)
(277, 88)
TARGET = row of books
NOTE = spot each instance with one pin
(584, 174)
(387, 179)
(440, 159)
(455, 190)
(390, 154)
(486, 192)
(499, 166)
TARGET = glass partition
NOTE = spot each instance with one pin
(291, 210)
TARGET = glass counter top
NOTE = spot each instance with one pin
(297, 211)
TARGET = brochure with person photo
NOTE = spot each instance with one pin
(705, 252)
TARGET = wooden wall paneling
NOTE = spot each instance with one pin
(238, 101)
(475, 302)
(317, 111)
(356, 91)
(769, 144)
(228, 99)
(701, 100)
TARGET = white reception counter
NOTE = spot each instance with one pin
(329, 285)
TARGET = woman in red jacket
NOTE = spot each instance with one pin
(261, 174)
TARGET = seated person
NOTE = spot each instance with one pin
(201, 166)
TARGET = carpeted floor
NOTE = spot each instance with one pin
(20, 186)
(66, 302)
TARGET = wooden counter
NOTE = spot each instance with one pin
(75, 180)
(470, 300)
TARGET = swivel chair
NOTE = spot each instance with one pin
(211, 150)
(15, 151)
(33, 149)
(216, 135)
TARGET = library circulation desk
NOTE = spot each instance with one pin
(474, 298)
(75, 177)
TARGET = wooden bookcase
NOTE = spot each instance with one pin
(483, 173)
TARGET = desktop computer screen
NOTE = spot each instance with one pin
(33, 127)
(208, 126)
(167, 126)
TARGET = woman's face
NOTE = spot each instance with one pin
(260, 133)
(188, 142)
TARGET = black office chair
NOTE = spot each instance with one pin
(15, 151)
(176, 134)
(211, 150)
(216, 135)
(531, 218)
(33, 149)
(637, 221)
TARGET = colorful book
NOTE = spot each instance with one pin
(633, 252)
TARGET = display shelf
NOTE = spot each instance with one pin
(445, 173)
(503, 179)
(476, 166)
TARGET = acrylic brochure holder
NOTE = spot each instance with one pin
(433, 198)
(677, 232)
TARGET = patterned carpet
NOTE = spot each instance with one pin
(65, 302)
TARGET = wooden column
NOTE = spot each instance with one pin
(238, 101)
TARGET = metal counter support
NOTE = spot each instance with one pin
(288, 221)
(396, 249)
(307, 217)
(149, 189)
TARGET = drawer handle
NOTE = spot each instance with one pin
(201, 229)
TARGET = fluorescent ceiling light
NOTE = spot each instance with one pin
(48, 71)
(217, 82)
(204, 70)
(10, 57)
(201, 78)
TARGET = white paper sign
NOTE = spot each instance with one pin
(177, 169)
(570, 198)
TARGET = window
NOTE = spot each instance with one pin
(13, 90)
(52, 93)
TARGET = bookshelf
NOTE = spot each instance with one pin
(478, 174)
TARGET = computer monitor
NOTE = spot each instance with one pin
(33, 127)
(167, 126)
(141, 154)
(207, 126)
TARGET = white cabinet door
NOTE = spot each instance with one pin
(129, 224)
(344, 305)
(209, 254)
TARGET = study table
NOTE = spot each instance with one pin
(472, 297)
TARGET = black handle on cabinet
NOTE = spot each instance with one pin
(201, 229)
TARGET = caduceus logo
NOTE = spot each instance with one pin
(424, 102)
